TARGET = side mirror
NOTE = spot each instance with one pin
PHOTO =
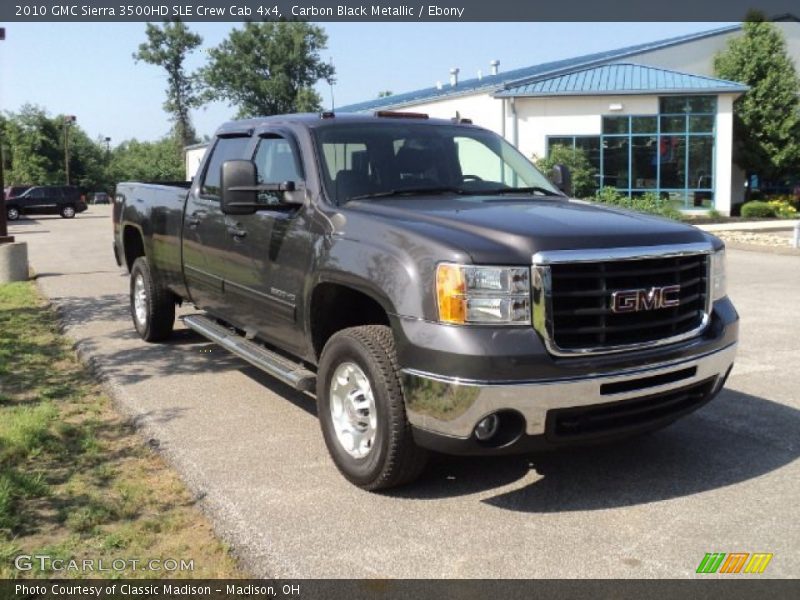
(238, 181)
(562, 179)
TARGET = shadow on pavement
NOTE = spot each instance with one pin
(735, 438)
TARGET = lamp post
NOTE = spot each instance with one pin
(107, 140)
(13, 255)
(67, 120)
(4, 237)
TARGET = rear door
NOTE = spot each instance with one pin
(35, 201)
(272, 247)
(207, 256)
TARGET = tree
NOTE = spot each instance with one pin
(167, 47)
(269, 68)
(583, 173)
(147, 161)
(385, 93)
(767, 117)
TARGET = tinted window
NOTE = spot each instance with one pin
(37, 193)
(224, 149)
(276, 161)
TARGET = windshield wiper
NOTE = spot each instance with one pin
(410, 192)
(520, 190)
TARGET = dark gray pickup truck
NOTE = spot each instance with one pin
(431, 287)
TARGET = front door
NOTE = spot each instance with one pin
(207, 252)
(275, 247)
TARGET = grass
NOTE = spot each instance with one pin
(76, 481)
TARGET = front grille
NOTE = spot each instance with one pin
(618, 417)
(581, 301)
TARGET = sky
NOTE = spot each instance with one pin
(87, 69)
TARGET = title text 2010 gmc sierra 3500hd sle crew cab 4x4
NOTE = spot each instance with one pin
(432, 288)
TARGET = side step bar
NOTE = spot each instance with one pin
(282, 368)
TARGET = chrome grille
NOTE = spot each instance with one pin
(572, 301)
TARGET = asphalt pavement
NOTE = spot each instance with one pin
(724, 479)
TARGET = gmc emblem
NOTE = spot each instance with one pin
(626, 301)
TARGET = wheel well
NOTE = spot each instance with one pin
(335, 307)
(132, 245)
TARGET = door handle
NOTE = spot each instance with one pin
(237, 231)
(193, 220)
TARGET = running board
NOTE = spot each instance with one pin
(291, 373)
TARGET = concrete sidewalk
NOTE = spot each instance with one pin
(724, 479)
(769, 225)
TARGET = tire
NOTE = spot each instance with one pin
(12, 213)
(152, 304)
(357, 357)
(67, 211)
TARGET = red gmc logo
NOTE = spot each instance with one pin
(627, 301)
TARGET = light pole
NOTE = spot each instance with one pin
(107, 140)
(67, 120)
(4, 237)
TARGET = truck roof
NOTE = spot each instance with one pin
(327, 118)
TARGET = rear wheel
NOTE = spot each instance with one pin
(12, 213)
(67, 211)
(362, 411)
(152, 304)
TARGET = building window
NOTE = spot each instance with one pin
(671, 153)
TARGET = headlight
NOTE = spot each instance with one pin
(487, 295)
(718, 287)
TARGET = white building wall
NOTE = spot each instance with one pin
(538, 118)
(483, 109)
(192, 158)
(723, 149)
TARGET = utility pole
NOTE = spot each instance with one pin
(4, 237)
(67, 120)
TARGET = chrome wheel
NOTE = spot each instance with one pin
(140, 300)
(353, 412)
(13, 214)
(68, 212)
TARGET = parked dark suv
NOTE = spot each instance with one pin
(12, 191)
(61, 200)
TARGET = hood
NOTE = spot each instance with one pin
(494, 230)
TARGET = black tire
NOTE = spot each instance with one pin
(67, 211)
(12, 213)
(158, 304)
(394, 458)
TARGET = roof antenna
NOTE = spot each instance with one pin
(330, 83)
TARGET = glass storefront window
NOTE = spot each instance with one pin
(615, 162)
(644, 124)
(671, 153)
(687, 104)
(615, 125)
(644, 162)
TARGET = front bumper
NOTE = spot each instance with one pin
(452, 408)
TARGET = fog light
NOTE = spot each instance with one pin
(487, 428)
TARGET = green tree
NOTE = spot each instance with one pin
(767, 117)
(385, 93)
(168, 46)
(583, 173)
(133, 160)
(269, 68)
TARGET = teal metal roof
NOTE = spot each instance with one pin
(623, 78)
(515, 77)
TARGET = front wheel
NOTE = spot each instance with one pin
(152, 304)
(67, 212)
(362, 411)
(12, 213)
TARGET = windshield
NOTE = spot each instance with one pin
(374, 160)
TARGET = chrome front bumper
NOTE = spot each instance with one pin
(452, 407)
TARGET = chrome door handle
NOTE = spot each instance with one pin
(237, 232)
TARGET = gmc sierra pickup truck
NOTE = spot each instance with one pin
(431, 287)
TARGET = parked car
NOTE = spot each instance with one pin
(64, 200)
(101, 198)
(432, 287)
(12, 191)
